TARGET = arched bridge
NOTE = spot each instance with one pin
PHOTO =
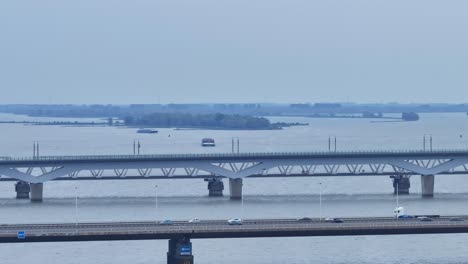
(398, 164)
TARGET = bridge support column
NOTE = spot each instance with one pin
(401, 184)
(235, 188)
(22, 190)
(427, 185)
(215, 187)
(180, 251)
(36, 192)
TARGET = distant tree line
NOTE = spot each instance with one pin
(307, 109)
(410, 116)
(217, 120)
(368, 114)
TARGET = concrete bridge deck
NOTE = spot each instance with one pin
(60, 232)
(47, 160)
(32, 172)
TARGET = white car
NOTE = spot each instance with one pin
(235, 221)
(194, 220)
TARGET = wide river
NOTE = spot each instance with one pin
(264, 198)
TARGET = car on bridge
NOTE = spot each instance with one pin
(425, 219)
(304, 219)
(194, 220)
(166, 222)
(235, 221)
(333, 220)
(406, 216)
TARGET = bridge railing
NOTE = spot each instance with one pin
(235, 155)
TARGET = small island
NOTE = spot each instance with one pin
(204, 121)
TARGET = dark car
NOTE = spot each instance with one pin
(406, 217)
(333, 220)
(304, 219)
(456, 219)
(425, 219)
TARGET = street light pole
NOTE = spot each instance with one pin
(430, 143)
(76, 209)
(320, 200)
(235, 143)
(156, 198)
(427, 137)
(330, 138)
(397, 185)
(242, 203)
(424, 143)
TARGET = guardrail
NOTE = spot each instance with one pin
(80, 230)
(238, 155)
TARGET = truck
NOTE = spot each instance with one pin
(399, 213)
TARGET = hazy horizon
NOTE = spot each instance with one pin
(241, 103)
(124, 52)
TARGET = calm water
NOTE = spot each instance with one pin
(184, 199)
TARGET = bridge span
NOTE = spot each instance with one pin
(180, 233)
(31, 173)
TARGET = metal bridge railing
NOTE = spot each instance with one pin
(235, 155)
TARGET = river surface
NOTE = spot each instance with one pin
(264, 198)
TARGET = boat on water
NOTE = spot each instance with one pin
(208, 142)
(147, 131)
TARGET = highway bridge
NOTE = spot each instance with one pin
(32, 172)
(180, 233)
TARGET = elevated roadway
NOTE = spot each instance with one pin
(180, 233)
(102, 231)
(34, 171)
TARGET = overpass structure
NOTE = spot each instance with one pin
(31, 173)
(180, 233)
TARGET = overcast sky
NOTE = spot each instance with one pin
(175, 51)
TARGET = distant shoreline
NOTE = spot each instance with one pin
(104, 124)
(344, 117)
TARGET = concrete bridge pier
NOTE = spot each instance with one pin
(215, 187)
(36, 192)
(427, 186)
(22, 190)
(401, 184)
(180, 251)
(235, 188)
